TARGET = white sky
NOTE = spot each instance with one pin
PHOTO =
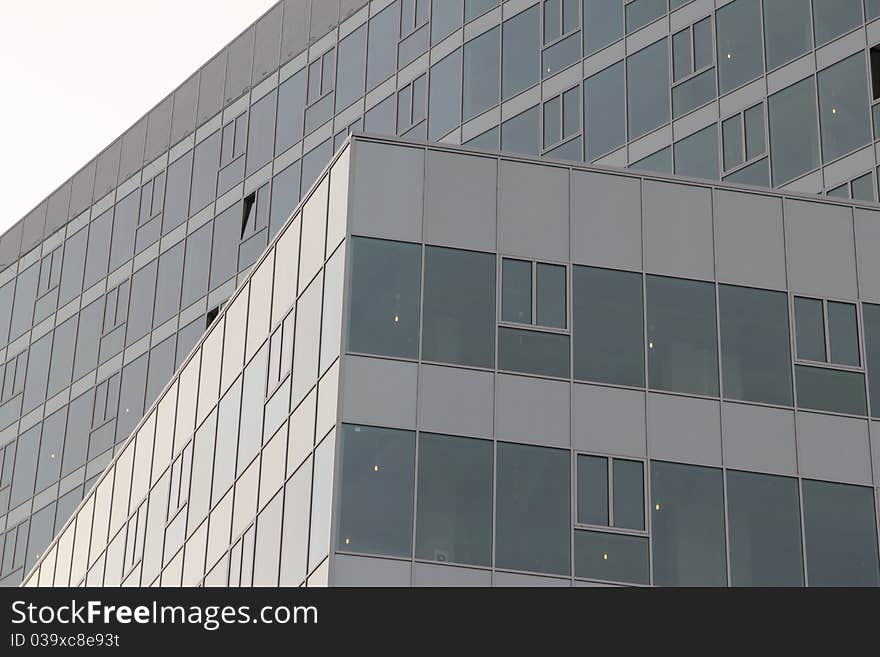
(75, 74)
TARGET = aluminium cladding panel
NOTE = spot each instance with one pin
(232, 466)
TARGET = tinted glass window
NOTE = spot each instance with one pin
(592, 490)
(687, 522)
(25, 472)
(481, 73)
(384, 306)
(516, 291)
(224, 250)
(291, 105)
(459, 307)
(793, 131)
(91, 319)
(834, 17)
(697, 156)
(682, 351)
(445, 19)
(738, 32)
(533, 352)
(533, 522)
(520, 134)
(765, 530)
(25, 294)
(97, 257)
(786, 30)
(841, 535)
(37, 372)
(131, 397)
(196, 265)
(629, 494)
(444, 104)
(647, 89)
(611, 557)
(61, 365)
(843, 331)
(550, 295)
(168, 284)
(382, 46)
(693, 93)
(843, 107)
(206, 161)
(140, 314)
(810, 329)
(604, 118)
(641, 12)
(376, 490)
(125, 219)
(661, 161)
(177, 184)
(261, 133)
(454, 515)
(350, 76)
(603, 23)
(837, 391)
(755, 353)
(473, 8)
(871, 319)
(520, 57)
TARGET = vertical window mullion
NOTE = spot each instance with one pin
(534, 282)
(610, 462)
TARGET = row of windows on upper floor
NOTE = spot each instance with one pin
(612, 327)
(464, 488)
(618, 106)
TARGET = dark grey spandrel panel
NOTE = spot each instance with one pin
(107, 168)
(81, 192)
(56, 214)
(131, 397)
(267, 44)
(238, 65)
(295, 30)
(211, 79)
(183, 118)
(324, 17)
(132, 156)
(33, 226)
(158, 129)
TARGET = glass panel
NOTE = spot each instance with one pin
(757, 173)
(376, 490)
(682, 54)
(809, 329)
(841, 191)
(206, 160)
(697, 155)
(291, 105)
(612, 557)
(459, 307)
(871, 319)
(647, 74)
(382, 46)
(641, 12)
(754, 120)
(843, 333)
(694, 93)
(604, 119)
(177, 188)
(533, 352)
(561, 55)
(836, 391)
(843, 107)
(755, 352)
(454, 516)
(738, 31)
(550, 296)
(682, 351)
(322, 494)
(786, 30)
(521, 133)
(520, 57)
(732, 138)
(384, 306)
(473, 8)
(863, 188)
(125, 218)
(765, 530)
(629, 494)
(687, 523)
(533, 520)
(603, 23)
(571, 112)
(660, 162)
(261, 135)
(592, 490)
(96, 256)
(841, 535)
(608, 326)
(832, 18)
(481, 73)
(872, 9)
(350, 76)
(702, 43)
(793, 131)
(444, 102)
(552, 20)
(516, 291)
(446, 17)
(552, 121)
(168, 284)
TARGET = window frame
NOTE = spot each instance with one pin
(564, 138)
(610, 528)
(740, 117)
(694, 71)
(533, 325)
(827, 363)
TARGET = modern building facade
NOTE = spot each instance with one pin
(698, 356)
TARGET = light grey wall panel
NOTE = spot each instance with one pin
(758, 438)
(460, 201)
(239, 65)
(159, 130)
(834, 448)
(868, 253)
(684, 429)
(456, 401)
(107, 168)
(56, 213)
(608, 420)
(348, 570)
(821, 253)
(533, 411)
(83, 184)
(211, 79)
(606, 221)
(387, 192)
(678, 229)
(426, 574)
(749, 239)
(268, 44)
(295, 31)
(533, 211)
(379, 392)
(186, 98)
(132, 157)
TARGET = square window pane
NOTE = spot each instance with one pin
(629, 494)
(516, 291)
(612, 557)
(550, 296)
(832, 18)
(843, 107)
(592, 490)
(697, 155)
(603, 23)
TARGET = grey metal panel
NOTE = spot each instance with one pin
(56, 214)
(211, 79)
(240, 59)
(460, 201)
(678, 229)
(606, 220)
(517, 579)
(349, 570)
(456, 401)
(268, 44)
(749, 239)
(295, 31)
(834, 448)
(379, 392)
(387, 192)
(158, 130)
(533, 210)
(108, 167)
(81, 193)
(684, 429)
(324, 17)
(867, 249)
(348, 7)
(608, 420)
(532, 411)
(186, 98)
(758, 438)
(132, 157)
(821, 252)
(10, 243)
(427, 574)
(33, 226)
